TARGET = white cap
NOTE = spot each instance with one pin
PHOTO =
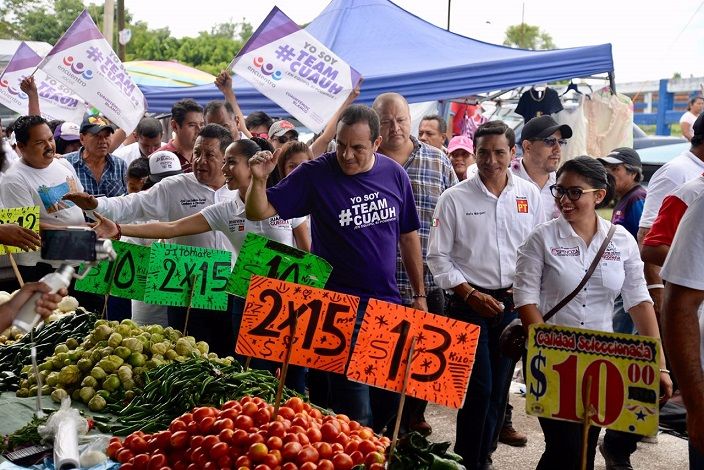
(162, 164)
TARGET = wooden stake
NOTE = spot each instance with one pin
(188, 309)
(284, 367)
(399, 413)
(247, 362)
(15, 268)
(588, 413)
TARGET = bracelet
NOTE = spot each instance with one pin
(664, 371)
(466, 296)
(419, 296)
(656, 286)
(119, 232)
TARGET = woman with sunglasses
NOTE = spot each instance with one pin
(552, 262)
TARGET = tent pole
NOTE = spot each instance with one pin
(612, 82)
(449, 9)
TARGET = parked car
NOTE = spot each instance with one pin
(641, 140)
(656, 156)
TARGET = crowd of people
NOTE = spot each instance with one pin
(460, 226)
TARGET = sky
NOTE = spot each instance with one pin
(651, 39)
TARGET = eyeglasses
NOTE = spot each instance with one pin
(550, 141)
(283, 139)
(573, 194)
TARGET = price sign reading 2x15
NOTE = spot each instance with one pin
(172, 268)
(324, 324)
(27, 217)
(443, 359)
(624, 371)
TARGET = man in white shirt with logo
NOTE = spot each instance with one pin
(542, 139)
(664, 182)
(478, 225)
(681, 313)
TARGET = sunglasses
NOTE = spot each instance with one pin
(551, 141)
(261, 135)
(283, 139)
(573, 194)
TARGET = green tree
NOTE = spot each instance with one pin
(526, 36)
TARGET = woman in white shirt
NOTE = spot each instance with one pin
(551, 263)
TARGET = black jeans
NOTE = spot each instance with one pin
(563, 445)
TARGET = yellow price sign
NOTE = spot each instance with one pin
(27, 217)
(624, 372)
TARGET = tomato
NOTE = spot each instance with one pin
(226, 435)
(325, 464)
(257, 452)
(314, 435)
(289, 466)
(298, 429)
(377, 466)
(230, 404)
(342, 461)
(239, 437)
(250, 409)
(223, 423)
(140, 462)
(209, 442)
(219, 450)
(354, 425)
(203, 412)
(274, 442)
(329, 432)
(157, 462)
(197, 441)
(307, 454)
(344, 427)
(179, 439)
(272, 459)
(124, 455)
(127, 466)
(192, 428)
(262, 467)
(295, 403)
(276, 429)
(243, 461)
(230, 413)
(262, 416)
(365, 433)
(337, 448)
(308, 466)
(351, 446)
(357, 457)
(290, 450)
(210, 466)
(177, 425)
(113, 448)
(244, 422)
(300, 421)
(180, 465)
(198, 456)
(372, 458)
(287, 413)
(192, 467)
(162, 439)
(302, 438)
(256, 438)
(324, 449)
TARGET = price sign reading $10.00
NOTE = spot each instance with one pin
(443, 359)
(324, 324)
(624, 372)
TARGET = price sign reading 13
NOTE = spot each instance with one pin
(622, 370)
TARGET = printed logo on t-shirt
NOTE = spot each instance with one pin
(278, 222)
(195, 202)
(522, 205)
(611, 253)
(236, 225)
(436, 222)
(51, 196)
(561, 251)
(367, 210)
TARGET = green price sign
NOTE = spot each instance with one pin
(124, 277)
(177, 270)
(268, 258)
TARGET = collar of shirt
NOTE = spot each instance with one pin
(694, 158)
(565, 230)
(519, 169)
(108, 159)
(477, 181)
(414, 152)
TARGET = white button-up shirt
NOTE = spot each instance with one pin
(549, 205)
(475, 235)
(553, 261)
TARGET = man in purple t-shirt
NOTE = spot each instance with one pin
(362, 208)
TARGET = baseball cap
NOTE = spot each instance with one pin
(95, 124)
(281, 127)
(163, 163)
(67, 131)
(544, 126)
(622, 155)
(460, 142)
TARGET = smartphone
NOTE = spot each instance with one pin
(72, 244)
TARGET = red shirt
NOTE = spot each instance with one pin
(185, 164)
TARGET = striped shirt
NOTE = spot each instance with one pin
(431, 173)
(112, 181)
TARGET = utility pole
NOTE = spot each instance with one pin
(120, 27)
(449, 9)
(109, 20)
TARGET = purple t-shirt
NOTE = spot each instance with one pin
(356, 220)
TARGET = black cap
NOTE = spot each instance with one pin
(622, 155)
(95, 124)
(544, 126)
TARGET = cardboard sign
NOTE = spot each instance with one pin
(125, 277)
(441, 366)
(324, 325)
(27, 217)
(264, 257)
(295, 70)
(173, 267)
(624, 371)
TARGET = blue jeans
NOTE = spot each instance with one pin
(296, 375)
(370, 406)
(622, 321)
(484, 407)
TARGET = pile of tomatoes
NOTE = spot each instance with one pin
(243, 435)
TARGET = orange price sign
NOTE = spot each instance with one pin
(441, 365)
(324, 324)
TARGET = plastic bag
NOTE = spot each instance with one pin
(63, 427)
